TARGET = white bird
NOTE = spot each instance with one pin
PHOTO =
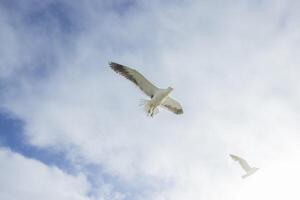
(159, 97)
(249, 170)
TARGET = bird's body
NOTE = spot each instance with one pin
(250, 172)
(248, 169)
(150, 106)
(161, 95)
(158, 97)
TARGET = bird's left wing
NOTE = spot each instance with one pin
(134, 76)
(242, 162)
(172, 105)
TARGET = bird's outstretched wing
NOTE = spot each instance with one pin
(242, 162)
(172, 105)
(134, 76)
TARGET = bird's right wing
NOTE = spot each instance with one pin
(242, 162)
(134, 76)
(172, 105)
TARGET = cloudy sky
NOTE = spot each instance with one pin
(71, 129)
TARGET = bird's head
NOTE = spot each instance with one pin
(170, 88)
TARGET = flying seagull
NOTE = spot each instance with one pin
(249, 170)
(158, 97)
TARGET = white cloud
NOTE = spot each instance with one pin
(233, 65)
(28, 179)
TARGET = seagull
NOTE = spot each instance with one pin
(158, 97)
(249, 170)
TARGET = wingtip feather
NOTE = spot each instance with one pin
(117, 67)
(179, 112)
(234, 157)
(121, 69)
(114, 65)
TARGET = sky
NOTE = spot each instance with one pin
(71, 128)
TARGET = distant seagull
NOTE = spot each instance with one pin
(249, 170)
(158, 96)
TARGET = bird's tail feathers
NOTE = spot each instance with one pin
(148, 108)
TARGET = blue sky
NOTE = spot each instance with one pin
(39, 22)
(69, 122)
